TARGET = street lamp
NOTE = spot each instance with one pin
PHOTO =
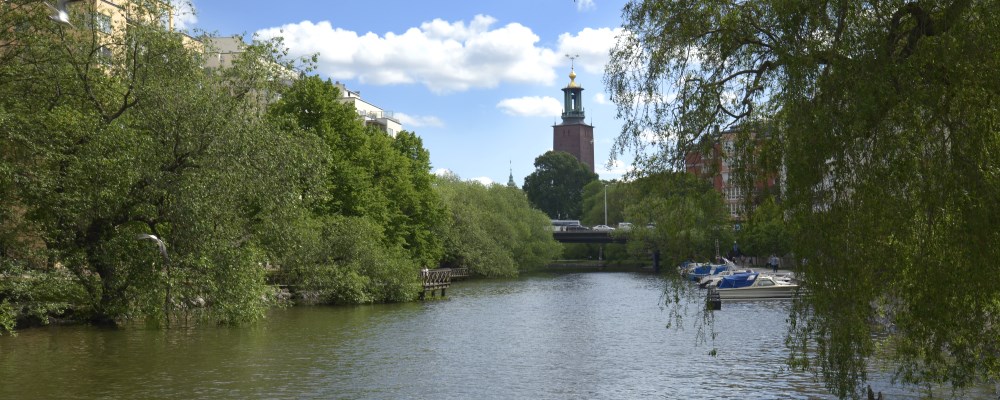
(60, 11)
(605, 204)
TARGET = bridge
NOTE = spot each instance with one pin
(588, 237)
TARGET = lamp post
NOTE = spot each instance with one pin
(605, 204)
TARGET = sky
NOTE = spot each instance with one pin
(479, 81)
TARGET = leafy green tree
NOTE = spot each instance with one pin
(104, 145)
(344, 260)
(368, 172)
(493, 230)
(556, 185)
(376, 184)
(594, 194)
(679, 215)
(885, 130)
(420, 209)
(766, 232)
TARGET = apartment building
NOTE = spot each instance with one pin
(718, 167)
(372, 114)
(222, 50)
(113, 17)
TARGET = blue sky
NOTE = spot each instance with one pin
(479, 81)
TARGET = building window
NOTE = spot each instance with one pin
(104, 55)
(103, 23)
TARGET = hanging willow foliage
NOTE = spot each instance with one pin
(882, 119)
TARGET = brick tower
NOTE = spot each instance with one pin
(573, 135)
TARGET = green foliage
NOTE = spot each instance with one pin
(556, 185)
(766, 232)
(594, 194)
(882, 115)
(373, 205)
(345, 261)
(687, 215)
(494, 231)
(8, 317)
(367, 173)
(97, 149)
(33, 296)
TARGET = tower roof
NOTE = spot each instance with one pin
(510, 179)
(572, 79)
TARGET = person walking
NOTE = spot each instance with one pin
(773, 262)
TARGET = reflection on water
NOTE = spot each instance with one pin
(583, 335)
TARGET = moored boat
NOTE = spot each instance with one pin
(713, 280)
(752, 286)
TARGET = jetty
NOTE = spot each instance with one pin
(440, 279)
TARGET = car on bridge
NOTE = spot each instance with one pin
(577, 228)
(603, 228)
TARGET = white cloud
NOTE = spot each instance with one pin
(184, 14)
(443, 172)
(486, 181)
(600, 98)
(418, 121)
(583, 5)
(592, 45)
(663, 138)
(617, 167)
(532, 106)
(443, 56)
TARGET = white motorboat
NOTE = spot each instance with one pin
(752, 286)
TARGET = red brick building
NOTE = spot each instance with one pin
(573, 135)
(717, 167)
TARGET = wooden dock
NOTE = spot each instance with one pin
(440, 278)
(458, 273)
(434, 279)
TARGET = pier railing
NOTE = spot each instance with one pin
(434, 279)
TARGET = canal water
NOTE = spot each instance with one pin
(552, 336)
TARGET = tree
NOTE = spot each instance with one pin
(104, 145)
(679, 215)
(766, 232)
(884, 123)
(369, 173)
(375, 183)
(556, 185)
(493, 230)
(593, 202)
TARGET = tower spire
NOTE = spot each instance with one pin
(572, 70)
(510, 178)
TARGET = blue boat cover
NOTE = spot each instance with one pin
(705, 270)
(739, 280)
